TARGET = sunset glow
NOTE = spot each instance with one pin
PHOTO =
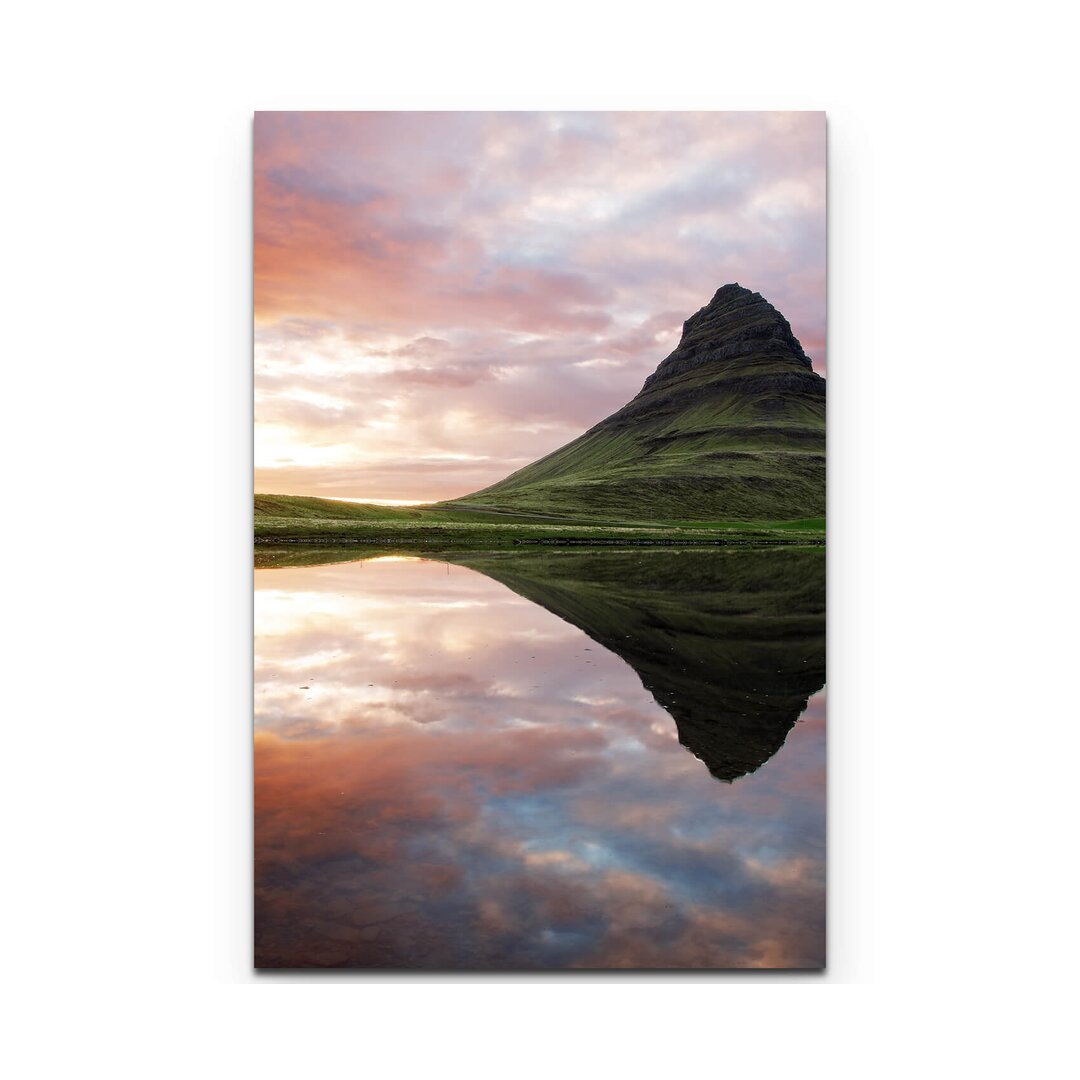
(441, 298)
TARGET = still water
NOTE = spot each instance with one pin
(538, 760)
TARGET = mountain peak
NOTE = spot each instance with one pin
(735, 324)
(729, 298)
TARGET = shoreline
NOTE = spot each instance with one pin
(570, 541)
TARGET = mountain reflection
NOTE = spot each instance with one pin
(730, 642)
(449, 773)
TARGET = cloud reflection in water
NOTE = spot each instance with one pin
(448, 775)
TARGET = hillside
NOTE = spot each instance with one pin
(730, 427)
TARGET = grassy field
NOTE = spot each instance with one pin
(299, 519)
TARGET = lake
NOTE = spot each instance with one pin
(540, 759)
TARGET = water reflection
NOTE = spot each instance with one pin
(453, 773)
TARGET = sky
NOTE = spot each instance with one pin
(441, 298)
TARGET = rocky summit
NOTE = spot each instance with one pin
(730, 427)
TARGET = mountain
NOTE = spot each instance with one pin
(729, 642)
(730, 427)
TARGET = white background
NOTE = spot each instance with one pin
(126, 424)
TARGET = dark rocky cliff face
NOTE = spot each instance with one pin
(736, 324)
(738, 344)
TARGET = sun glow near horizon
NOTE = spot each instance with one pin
(382, 502)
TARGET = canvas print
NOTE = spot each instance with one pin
(539, 541)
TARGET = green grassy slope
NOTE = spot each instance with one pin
(308, 508)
